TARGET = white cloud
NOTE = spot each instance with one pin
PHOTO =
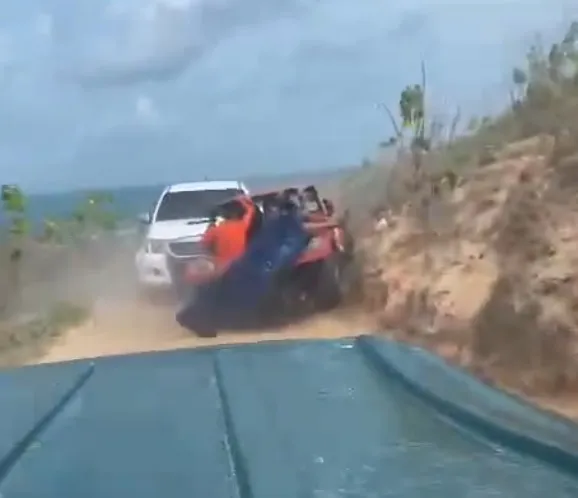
(143, 40)
(6, 50)
(146, 110)
(44, 25)
(279, 72)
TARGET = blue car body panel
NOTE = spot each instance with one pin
(278, 244)
(290, 419)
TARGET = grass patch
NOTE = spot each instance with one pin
(29, 336)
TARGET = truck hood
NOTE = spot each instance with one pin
(170, 230)
(353, 417)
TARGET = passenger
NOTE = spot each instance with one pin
(314, 225)
(311, 203)
(290, 203)
(329, 207)
(292, 195)
(227, 236)
(271, 207)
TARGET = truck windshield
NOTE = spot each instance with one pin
(192, 204)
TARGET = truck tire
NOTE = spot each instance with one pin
(329, 289)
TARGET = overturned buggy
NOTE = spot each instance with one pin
(297, 260)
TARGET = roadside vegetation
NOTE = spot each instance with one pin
(35, 268)
(472, 227)
(425, 154)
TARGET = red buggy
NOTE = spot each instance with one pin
(317, 281)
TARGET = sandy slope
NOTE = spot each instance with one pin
(132, 326)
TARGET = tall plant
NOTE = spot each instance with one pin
(95, 214)
(14, 233)
(411, 120)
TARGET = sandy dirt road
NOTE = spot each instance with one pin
(130, 326)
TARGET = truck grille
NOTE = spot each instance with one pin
(186, 249)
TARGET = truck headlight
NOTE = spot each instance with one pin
(155, 246)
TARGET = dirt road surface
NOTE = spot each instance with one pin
(132, 326)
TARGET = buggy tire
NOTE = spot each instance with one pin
(206, 332)
(202, 330)
(329, 290)
(201, 327)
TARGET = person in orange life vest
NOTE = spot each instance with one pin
(227, 236)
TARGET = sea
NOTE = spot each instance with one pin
(129, 202)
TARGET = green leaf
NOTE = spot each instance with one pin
(13, 199)
(412, 106)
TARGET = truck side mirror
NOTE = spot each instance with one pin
(144, 218)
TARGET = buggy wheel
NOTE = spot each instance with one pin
(195, 318)
(201, 326)
(206, 332)
(330, 286)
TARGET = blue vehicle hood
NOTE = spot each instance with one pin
(307, 419)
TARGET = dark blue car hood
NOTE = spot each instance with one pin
(320, 419)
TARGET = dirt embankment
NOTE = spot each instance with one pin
(490, 281)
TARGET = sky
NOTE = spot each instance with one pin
(124, 92)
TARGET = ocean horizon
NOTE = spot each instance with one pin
(129, 201)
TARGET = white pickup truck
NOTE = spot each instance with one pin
(176, 223)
